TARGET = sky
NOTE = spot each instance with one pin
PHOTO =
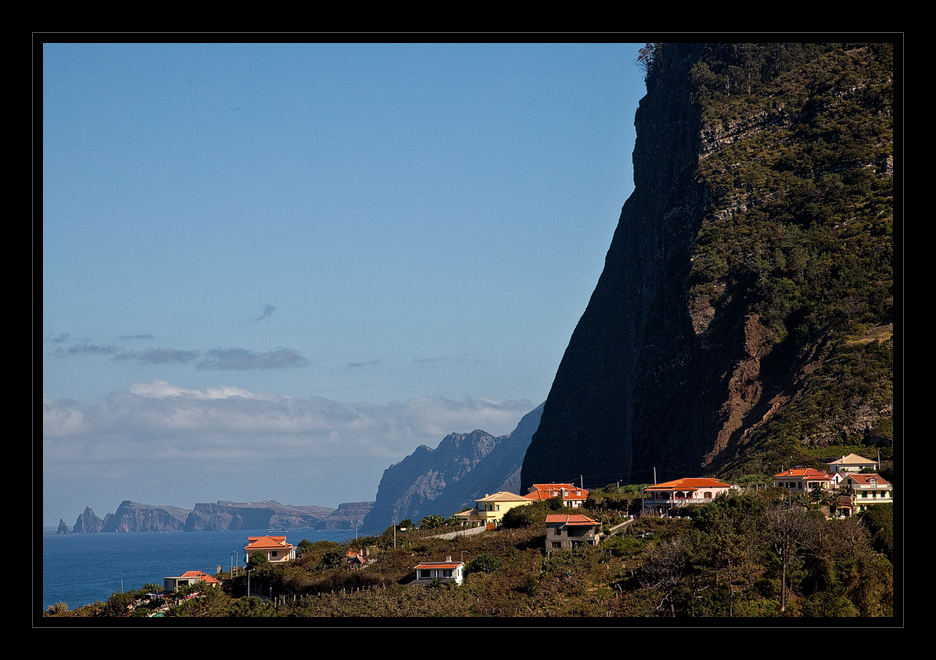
(272, 271)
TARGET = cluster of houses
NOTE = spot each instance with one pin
(848, 476)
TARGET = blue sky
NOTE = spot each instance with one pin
(270, 271)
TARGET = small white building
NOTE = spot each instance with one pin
(445, 571)
(170, 584)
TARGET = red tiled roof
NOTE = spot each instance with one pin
(267, 542)
(547, 491)
(199, 574)
(689, 483)
(866, 478)
(808, 473)
(453, 564)
(570, 519)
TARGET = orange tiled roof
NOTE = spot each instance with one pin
(570, 519)
(689, 483)
(443, 564)
(265, 542)
(808, 473)
(547, 491)
(199, 574)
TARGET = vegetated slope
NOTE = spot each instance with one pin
(744, 314)
(719, 559)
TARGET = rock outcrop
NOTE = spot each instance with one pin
(449, 478)
(135, 517)
(88, 523)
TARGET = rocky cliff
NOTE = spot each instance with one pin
(449, 478)
(728, 328)
(87, 523)
(269, 514)
(135, 517)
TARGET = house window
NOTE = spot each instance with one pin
(273, 553)
(447, 573)
(556, 544)
(424, 574)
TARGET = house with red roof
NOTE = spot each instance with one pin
(571, 496)
(659, 499)
(170, 584)
(444, 571)
(803, 480)
(861, 491)
(565, 531)
(274, 548)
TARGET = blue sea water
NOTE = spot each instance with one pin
(79, 569)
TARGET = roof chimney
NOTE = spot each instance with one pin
(448, 559)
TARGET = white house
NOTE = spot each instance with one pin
(660, 498)
(445, 571)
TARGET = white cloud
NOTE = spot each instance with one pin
(154, 439)
(160, 420)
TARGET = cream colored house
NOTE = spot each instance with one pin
(803, 480)
(862, 491)
(490, 509)
(275, 548)
(852, 463)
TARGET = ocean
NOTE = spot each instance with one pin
(79, 569)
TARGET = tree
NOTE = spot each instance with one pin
(258, 562)
(664, 569)
(645, 58)
(432, 521)
(789, 529)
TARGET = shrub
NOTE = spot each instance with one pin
(483, 563)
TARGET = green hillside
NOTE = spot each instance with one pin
(721, 559)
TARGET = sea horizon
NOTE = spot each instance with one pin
(84, 568)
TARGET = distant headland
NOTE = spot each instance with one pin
(223, 515)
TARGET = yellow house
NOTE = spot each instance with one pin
(490, 509)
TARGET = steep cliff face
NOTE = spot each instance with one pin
(135, 517)
(754, 248)
(268, 514)
(448, 479)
